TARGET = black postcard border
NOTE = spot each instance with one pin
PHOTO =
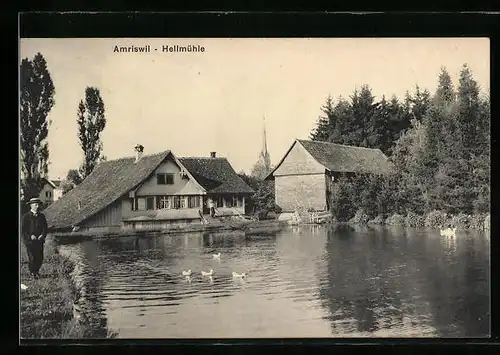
(272, 24)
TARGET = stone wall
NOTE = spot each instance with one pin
(307, 191)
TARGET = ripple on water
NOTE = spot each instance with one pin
(329, 282)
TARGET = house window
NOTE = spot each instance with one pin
(150, 203)
(193, 201)
(165, 179)
(141, 204)
(235, 201)
(163, 202)
(219, 201)
(47, 194)
(183, 202)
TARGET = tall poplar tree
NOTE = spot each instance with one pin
(36, 100)
(91, 122)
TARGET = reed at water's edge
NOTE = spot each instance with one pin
(46, 306)
(434, 219)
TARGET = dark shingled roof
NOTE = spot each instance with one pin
(216, 175)
(56, 183)
(345, 158)
(108, 182)
(114, 178)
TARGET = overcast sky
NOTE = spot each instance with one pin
(195, 103)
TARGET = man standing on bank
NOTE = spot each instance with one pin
(33, 232)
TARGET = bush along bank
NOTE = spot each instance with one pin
(47, 305)
(434, 219)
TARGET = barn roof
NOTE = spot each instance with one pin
(344, 158)
(216, 175)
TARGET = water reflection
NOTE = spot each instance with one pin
(304, 281)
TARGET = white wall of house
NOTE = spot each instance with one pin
(169, 192)
(57, 193)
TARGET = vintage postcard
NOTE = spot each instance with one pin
(254, 188)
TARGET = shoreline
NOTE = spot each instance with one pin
(46, 306)
(249, 228)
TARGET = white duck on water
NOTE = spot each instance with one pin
(186, 273)
(24, 287)
(209, 273)
(217, 256)
(241, 276)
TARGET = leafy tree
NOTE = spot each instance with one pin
(91, 122)
(36, 100)
(74, 177)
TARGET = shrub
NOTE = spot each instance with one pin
(436, 219)
(414, 220)
(379, 220)
(461, 221)
(477, 221)
(395, 220)
(487, 222)
(360, 217)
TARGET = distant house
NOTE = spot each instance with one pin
(304, 176)
(159, 188)
(47, 193)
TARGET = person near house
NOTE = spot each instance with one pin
(212, 207)
(34, 232)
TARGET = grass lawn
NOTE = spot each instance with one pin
(46, 306)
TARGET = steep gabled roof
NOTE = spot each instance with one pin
(344, 158)
(108, 182)
(216, 175)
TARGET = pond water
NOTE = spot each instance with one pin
(307, 281)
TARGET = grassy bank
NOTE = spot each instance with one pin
(46, 306)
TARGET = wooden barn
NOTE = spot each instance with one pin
(305, 174)
(156, 189)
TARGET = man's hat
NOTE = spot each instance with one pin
(34, 200)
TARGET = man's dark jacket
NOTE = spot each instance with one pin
(33, 225)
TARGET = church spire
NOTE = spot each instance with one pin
(264, 138)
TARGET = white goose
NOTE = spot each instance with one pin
(217, 256)
(187, 273)
(209, 273)
(448, 232)
(241, 276)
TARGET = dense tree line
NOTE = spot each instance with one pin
(439, 146)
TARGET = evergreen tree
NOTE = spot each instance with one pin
(468, 110)
(342, 114)
(326, 122)
(379, 135)
(421, 102)
(362, 110)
